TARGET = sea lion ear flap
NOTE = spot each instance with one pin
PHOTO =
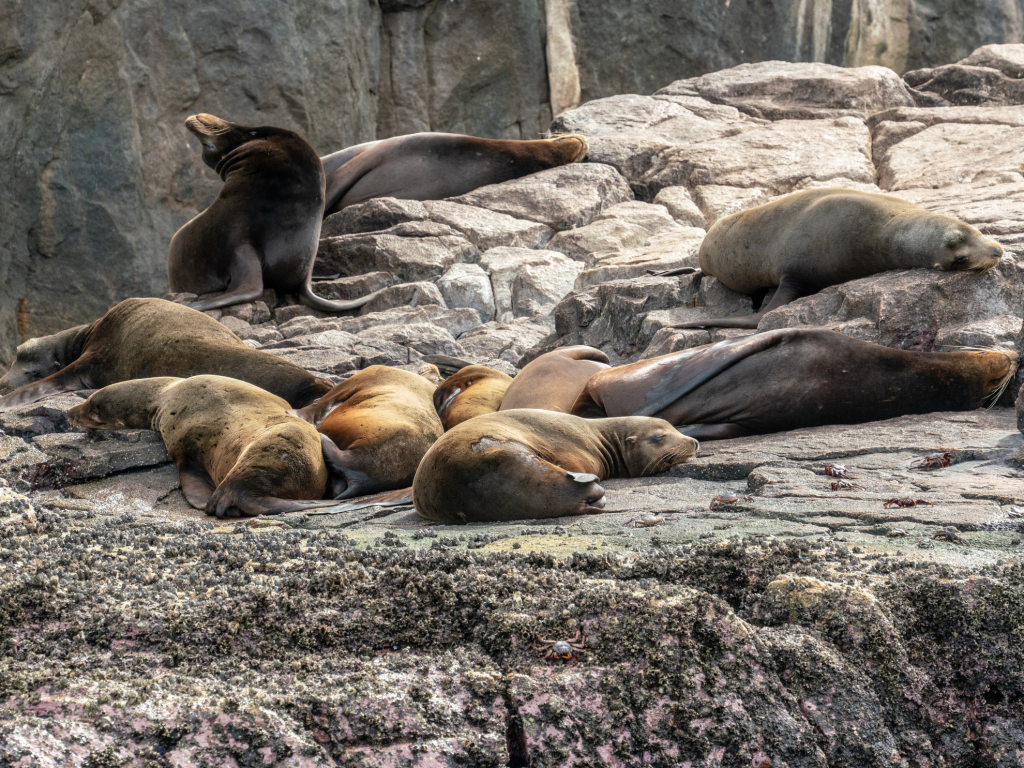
(582, 477)
(631, 439)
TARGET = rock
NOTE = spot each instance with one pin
(420, 339)
(296, 331)
(908, 309)
(411, 252)
(404, 295)
(668, 250)
(962, 115)
(526, 282)
(888, 133)
(998, 331)
(1008, 59)
(74, 456)
(266, 334)
(561, 198)
(467, 285)
(41, 418)
(780, 90)
(615, 229)
(681, 207)
(997, 209)
(989, 76)
(355, 287)
(951, 153)
(776, 157)
(239, 327)
(503, 341)
(253, 312)
(716, 200)
(380, 213)
(12, 503)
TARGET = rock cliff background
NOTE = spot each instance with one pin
(99, 171)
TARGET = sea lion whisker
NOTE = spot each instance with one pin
(994, 396)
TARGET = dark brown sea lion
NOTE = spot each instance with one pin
(380, 423)
(473, 391)
(531, 464)
(263, 229)
(237, 449)
(792, 378)
(553, 381)
(141, 338)
(433, 166)
(810, 240)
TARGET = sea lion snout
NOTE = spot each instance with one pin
(969, 249)
(202, 124)
(654, 449)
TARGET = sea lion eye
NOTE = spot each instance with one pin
(252, 133)
(960, 260)
(656, 439)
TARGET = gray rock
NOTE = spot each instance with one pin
(404, 295)
(71, 457)
(253, 312)
(372, 216)
(989, 76)
(503, 341)
(994, 207)
(668, 250)
(409, 254)
(718, 200)
(998, 331)
(889, 133)
(355, 287)
(681, 207)
(616, 228)
(467, 285)
(419, 339)
(239, 327)
(487, 229)
(44, 417)
(526, 282)
(561, 198)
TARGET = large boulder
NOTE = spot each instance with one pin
(992, 75)
(525, 282)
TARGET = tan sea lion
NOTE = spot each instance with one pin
(473, 391)
(810, 240)
(141, 338)
(380, 423)
(554, 380)
(263, 229)
(792, 378)
(530, 464)
(237, 449)
(433, 166)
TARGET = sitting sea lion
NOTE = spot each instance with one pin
(237, 449)
(433, 166)
(141, 338)
(263, 229)
(530, 464)
(379, 422)
(554, 380)
(810, 240)
(471, 392)
(792, 378)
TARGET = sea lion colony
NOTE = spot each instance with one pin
(252, 434)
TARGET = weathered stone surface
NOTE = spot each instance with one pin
(411, 252)
(44, 417)
(526, 282)
(561, 198)
(998, 331)
(680, 206)
(776, 156)
(951, 153)
(404, 295)
(717, 200)
(375, 215)
(503, 341)
(467, 285)
(239, 327)
(74, 456)
(668, 250)
(357, 286)
(997, 209)
(991, 75)
(294, 331)
(780, 90)
(615, 229)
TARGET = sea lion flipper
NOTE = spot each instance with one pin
(68, 379)
(196, 485)
(400, 498)
(672, 272)
(582, 477)
(246, 270)
(714, 431)
(790, 289)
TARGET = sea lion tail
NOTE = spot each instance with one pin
(310, 299)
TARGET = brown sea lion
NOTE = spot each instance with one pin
(792, 378)
(380, 423)
(141, 338)
(553, 381)
(473, 391)
(820, 237)
(237, 449)
(530, 464)
(263, 229)
(433, 166)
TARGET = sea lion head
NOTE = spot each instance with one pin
(125, 405)
(994, 370)
(36, 359)
(571, 147)
(218, 137)
(949, 244)
(651, 446)
(473, 391)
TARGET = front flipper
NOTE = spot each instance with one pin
(70, 379)
(789, 290)
(246, 282)
(672, 272)
(197, 485)
(714, 431)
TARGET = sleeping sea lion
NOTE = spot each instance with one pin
(433, 166)
(379, 422)
(792, 378)
(141, 338)
(473, 391)
(263, 229)
(530, 464)
(237, 449)
(820, 237)
(554, 380)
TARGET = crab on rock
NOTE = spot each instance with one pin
(561, 650)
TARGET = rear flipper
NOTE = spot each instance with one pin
(246, 281)
(197, 485)
(70, 379)
(346, 482)
(234, 502)
(672, 272)
(400, 498)
(790, 289)
(714, 431)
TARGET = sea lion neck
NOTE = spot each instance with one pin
(610, 440)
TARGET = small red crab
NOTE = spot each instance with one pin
(950, 535)
(561, 650)
(846, 485)
(837, 470)
(906, 501)
(645, 521)
(730, 498)
(931, 462)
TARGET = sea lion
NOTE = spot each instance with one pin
(554, 380)
(263, 229)
(532, 464)
(792, 378)
(141, 338)
(380, 423)
(237, 449)
(810, 240)
(471, 392)
(433, 166)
